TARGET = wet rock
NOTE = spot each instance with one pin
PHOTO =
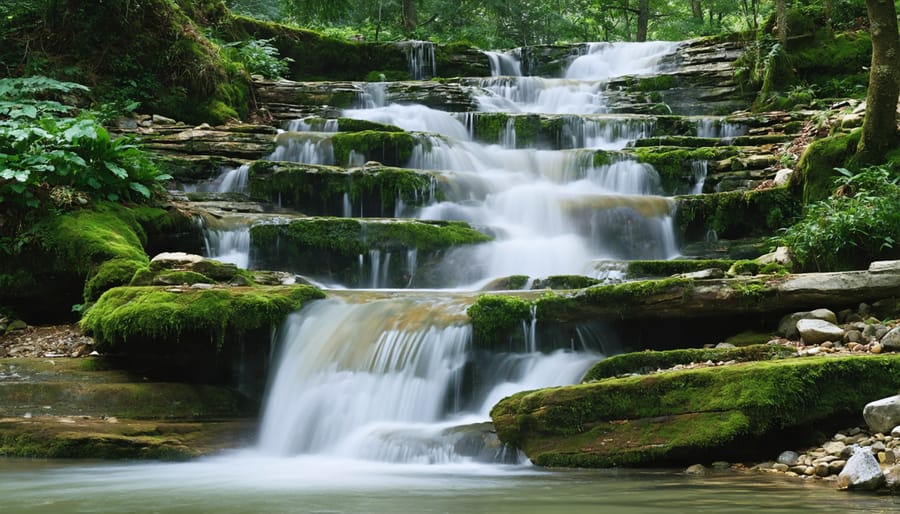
(883, 415)
(834, 447)
(788, 324)
(861, 472)
(16, 325)
(696, 469)
(817, 331)
(788, 457)
(891, 340)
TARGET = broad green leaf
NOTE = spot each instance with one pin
(140, 188)
(116, 169)
(22, 175)
(18, 188)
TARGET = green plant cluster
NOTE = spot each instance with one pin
(859, 223)
(52, 160)
(259, 57)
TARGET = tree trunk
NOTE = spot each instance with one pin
(880, 125)
(781, 27)
(643, 19)
(697, 9)
(410, 16)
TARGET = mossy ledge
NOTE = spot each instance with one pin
(735, 214)
(389, 148)
(668, 418)
(128, 316)
(319, 190)
(331, 248)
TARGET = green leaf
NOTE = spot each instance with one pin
(22, 175)
(18, 188)
(140, 188)
(112, 197)
(116, 169)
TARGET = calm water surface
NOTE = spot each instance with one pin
(244, 483)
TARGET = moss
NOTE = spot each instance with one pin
(735, 214)
(674, 267)
(619, 298)
(744, 267)
(657, 83)
(815, 170)
(650, 361)
(749, 338)
(149, 278)
(355, 125)
(495, 318)
(158, 316)
(668, 418)
(565, 282)
(674, 165)
(389, 148)
(320, 190)
(111, 273)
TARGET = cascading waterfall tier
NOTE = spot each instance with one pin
(381, 377)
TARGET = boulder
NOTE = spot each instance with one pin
(861, 472)
(788, 457)
(891, 340)
(883, 415)
(817, 331)
(788, 324)
(781, 256)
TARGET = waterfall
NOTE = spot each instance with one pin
(382, 379)
(700, 169)
(228, 245)
(503, 64)
(719, 128)
(420, 55)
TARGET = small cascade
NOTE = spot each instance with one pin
(420, 55)
(720, 129)
(382, 379)
(374, 95)
(231, 180)
(604, 133)
(508, 135)
(228, 245)
(304, 147)
(504, 64)
(699, 169)
(312, 125)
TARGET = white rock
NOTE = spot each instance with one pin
(861, 472)
(817, 331)
(783, 176)
(781, 255)
(179, 257)
(883, 415)
(884, 267)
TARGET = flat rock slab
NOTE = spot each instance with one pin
(671, 418)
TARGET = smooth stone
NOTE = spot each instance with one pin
(816, 331)
(883, 415)
(891, 340)
(885, 267)
(861, 472)
(788, 457)
(778, 466)
(788, 324)
(696, 469)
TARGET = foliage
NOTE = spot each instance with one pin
(48, 158)
(859, 223)
(259, 57)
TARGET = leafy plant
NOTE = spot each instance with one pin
(259, 57)
(858, 223)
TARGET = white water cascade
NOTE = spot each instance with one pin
(382, 379)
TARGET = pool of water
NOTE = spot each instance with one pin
(246, 482)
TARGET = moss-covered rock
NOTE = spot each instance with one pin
(725, 412)
(497, 319)
(650, 361)
(815, 170)
(645, 268)
(735, 214)
(320, 190)
(565, 282)
(388, 148)
(395, 253)
(124, 318)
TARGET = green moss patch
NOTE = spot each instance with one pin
(816, 166)
(389, 148)
(670, 418)
(674, 267)
(161, 316)
(735, 214)
(320, 190)
(495, 317)
(649, 361)
(613, 300)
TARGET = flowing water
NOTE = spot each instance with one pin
(377, 399)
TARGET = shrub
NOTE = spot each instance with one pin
(859, 222)
(259, 57)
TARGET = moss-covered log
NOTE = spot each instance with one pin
(671, 418)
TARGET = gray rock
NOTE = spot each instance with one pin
(884, 267)
(703, 274)
(816, 331)
(788, 324)
(696, 469)
(834, 447)
(853, 336)
(895, 432)
(780, 467)
(892, 477)
(788, 457)
(861, 472)
(883, 415)
(891, 340)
